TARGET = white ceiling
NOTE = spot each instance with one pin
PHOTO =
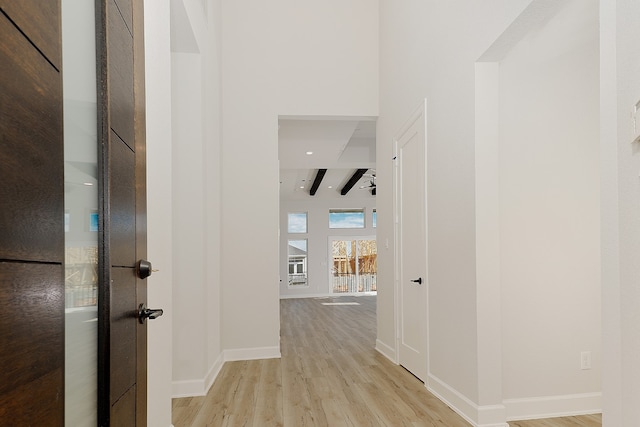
(339, 144)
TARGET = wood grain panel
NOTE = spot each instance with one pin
(123, 332)
(39, 20)
(122, 112)
(120, 75)
(32, 344)
(124, 410)
(125, 7)
(123, 203)
(31, 153)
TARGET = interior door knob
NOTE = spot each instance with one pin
(148, 313)
(418, 281)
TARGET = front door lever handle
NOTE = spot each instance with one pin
(418, 281)
(148, 313)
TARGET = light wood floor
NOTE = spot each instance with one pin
(329, 375)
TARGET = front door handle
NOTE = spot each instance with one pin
(148, 313)
(144, 269)
(418, 281)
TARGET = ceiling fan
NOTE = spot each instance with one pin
(372, 182)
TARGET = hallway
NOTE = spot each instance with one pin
(329, 375)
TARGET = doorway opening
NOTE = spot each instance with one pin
(327, 192)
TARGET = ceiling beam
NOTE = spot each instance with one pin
(317, 181)
(353, 180)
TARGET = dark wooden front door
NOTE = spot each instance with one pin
(31, 215)
(32, 291)
(122, 338)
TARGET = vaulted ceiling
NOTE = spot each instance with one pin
(343, 149)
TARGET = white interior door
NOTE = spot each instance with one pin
(411, 232)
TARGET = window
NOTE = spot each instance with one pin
(346, 218)
(297, 222)
(374, 218)
(297, 251)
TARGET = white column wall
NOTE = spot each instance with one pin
(189, 303)
(487, 151)
(159, 211)
(278, 58)
(620, 161)
(195, 178)
(250, 309)
(428, 50)
(318, 258)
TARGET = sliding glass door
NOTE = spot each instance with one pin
(354, 265)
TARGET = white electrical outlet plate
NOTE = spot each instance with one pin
(585, 360)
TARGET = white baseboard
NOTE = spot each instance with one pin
(188, 388)
(553, 406)
(346, 294)
(213, 372)
(294, 296)
(454, 399)
(491, 416)
(386, 350)
(252, 353)
(200, 387)
(477, 416)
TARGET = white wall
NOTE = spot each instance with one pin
(428, 50)
(189, 299)
(549, 215)
(159, 211)
(620, 162)
(325, 56)
(195, 189)
(278, 58)
(317, 236)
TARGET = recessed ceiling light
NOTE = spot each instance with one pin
(302, 186)
(309, 153)
(331, 186)
(88, 184)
